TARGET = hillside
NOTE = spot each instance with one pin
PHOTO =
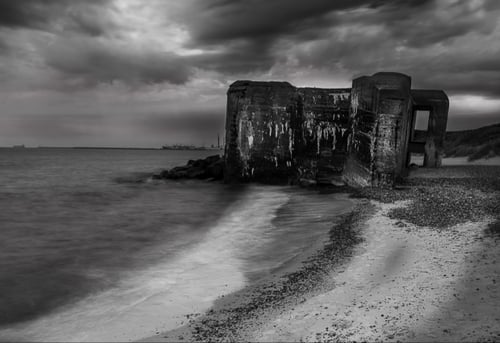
(483, 142)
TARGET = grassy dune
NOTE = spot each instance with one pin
(483, 142)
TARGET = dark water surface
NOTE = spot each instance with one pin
(88, 252)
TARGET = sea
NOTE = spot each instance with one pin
(93, 249)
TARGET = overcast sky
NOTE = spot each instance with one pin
(152, 72)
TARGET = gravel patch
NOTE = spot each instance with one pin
(442, 202)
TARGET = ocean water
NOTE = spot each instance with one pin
(92, 249)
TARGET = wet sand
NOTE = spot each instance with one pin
(416, 263)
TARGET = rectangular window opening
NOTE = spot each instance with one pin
(418, 138)
(421, 125)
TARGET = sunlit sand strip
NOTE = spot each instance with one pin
(404, 283)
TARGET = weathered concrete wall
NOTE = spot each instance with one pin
(323, 122)
(380, 117)
(276, 132)
(258, 130)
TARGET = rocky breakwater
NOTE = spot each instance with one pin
(209, 168)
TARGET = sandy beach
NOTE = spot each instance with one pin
(416, 263)
(404, 283)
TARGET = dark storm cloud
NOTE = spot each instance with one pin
(55, 55)
(85, 16)
(428, 22)
(29, 13)
(239, 57)
(89, 46)
(87, 62)
(255, 20)
(246, 32)
(224, 20)
(358, 36)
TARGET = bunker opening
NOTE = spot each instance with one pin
(419, 135)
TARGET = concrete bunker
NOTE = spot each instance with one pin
(430, 142)
(363, 135)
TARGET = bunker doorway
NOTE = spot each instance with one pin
(418, 138)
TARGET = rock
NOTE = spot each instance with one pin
(164, 174)
(216, 169)
(212, 159)
(178, 172)
(179, 169)
(211, 167)
(199, 164)
(196, 173)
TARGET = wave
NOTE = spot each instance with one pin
(158, 297)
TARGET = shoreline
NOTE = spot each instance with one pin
(403, 284)
(234, 316)
(418, 262)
